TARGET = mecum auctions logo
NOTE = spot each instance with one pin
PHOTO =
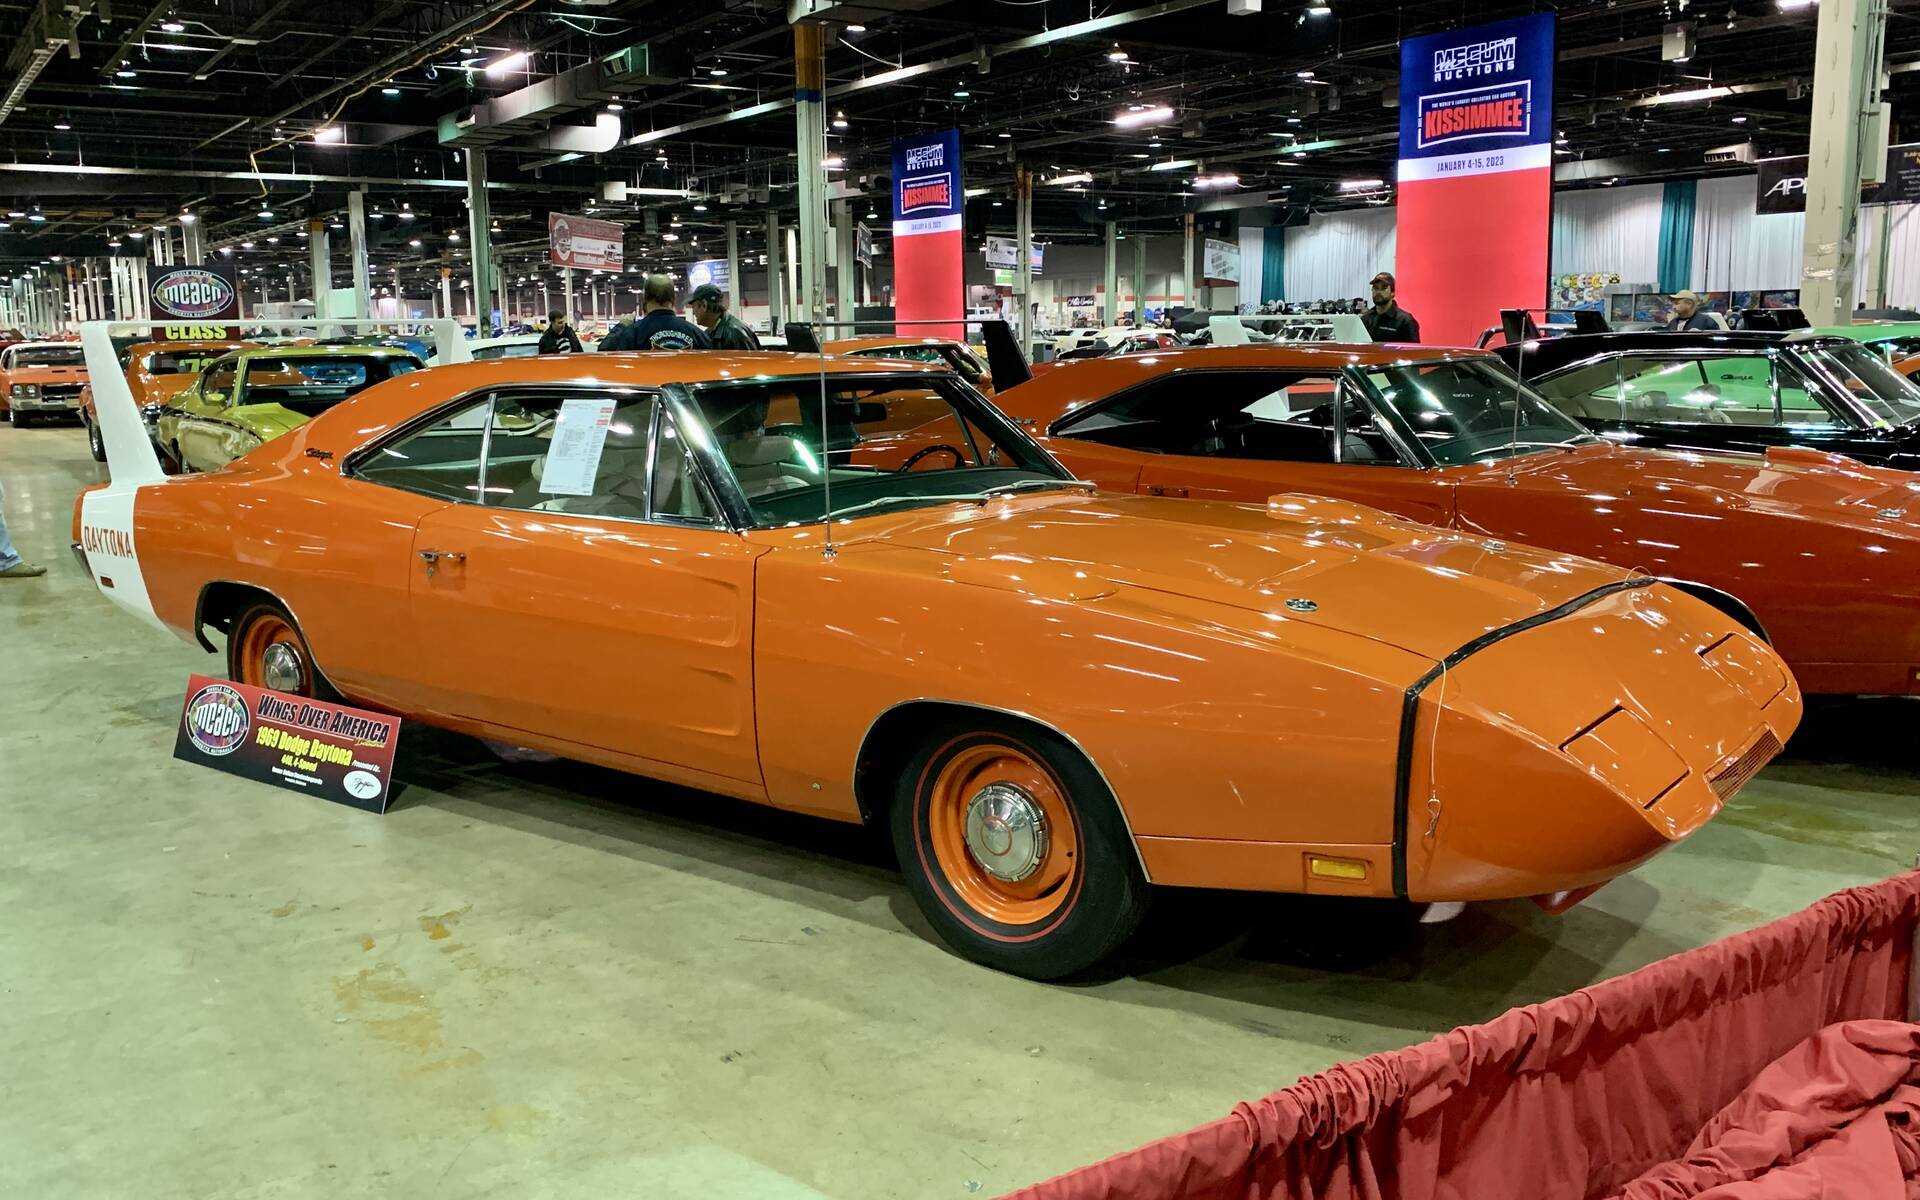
(217, 719)
(1476, 59)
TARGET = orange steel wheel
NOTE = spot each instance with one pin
(265, 650)
(1014, 847)
(1004, 833)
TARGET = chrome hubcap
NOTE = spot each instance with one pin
(1006, 832)
(282, 668)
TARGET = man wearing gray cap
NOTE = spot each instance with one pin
(708, 308)
(1687, 314)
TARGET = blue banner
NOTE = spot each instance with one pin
(927, 193)
(1475, 96)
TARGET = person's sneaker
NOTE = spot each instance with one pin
(23, 570)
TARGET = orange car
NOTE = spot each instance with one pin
(1052, 699)
(156, 372)
(40, 379)
(950, 352)
(1819, 553)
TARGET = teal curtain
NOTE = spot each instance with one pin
(1676, 234)
(1273, 264)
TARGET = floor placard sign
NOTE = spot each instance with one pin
(929, 234)
(1474, 221)
(333, 751)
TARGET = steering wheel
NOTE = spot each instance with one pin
(959, 459)
(1487, 419)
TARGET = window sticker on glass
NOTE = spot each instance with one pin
(579, 437)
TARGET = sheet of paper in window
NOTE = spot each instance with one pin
(579, 438)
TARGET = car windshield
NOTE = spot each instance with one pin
(506, 350)
(1888, 396)
(875, 441)
(48, 356)
(1467, 410)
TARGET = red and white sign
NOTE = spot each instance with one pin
(586, 243)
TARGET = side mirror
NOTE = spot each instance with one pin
(216, 397)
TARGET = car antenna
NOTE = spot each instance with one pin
(1519, 383)
(826, 441)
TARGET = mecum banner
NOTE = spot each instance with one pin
(1474, 216)
(929, 232)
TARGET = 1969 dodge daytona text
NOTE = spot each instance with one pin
(1050, 698)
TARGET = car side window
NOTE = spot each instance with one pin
(591, 453)
(1280, 416)
(442, 459)
(217, 386)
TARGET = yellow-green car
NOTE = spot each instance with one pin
(251, 396)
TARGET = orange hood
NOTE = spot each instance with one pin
(47, 375)
(1327, 563)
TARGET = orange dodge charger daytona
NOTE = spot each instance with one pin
(1052, 699)
(1818, 553)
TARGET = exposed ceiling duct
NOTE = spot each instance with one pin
(519, 116)
(52, 26)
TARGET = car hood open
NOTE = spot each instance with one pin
(1300, 558)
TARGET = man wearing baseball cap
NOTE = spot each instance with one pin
(1687, 314)
(708, 308)
(1386, 321)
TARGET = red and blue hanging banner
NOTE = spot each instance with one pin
(1474, 221)
(929, 233)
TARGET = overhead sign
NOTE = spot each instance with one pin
(1473, 215)
(1003, 253)
(710, 270)
(586, 243)
(1782, 186)
(327, 750)
(929, 225)
(1222, 261)
(194, 302)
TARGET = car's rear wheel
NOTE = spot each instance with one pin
(266, 649)
(1015, 850)
(95, 442)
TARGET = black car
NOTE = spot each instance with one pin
(1741, 392)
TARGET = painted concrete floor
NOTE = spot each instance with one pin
(535, 981)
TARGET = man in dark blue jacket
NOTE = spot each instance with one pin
(659, 327)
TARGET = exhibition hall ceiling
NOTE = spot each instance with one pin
(142, 110)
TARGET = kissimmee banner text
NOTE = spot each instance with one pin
(929, 229)
(1476, 176)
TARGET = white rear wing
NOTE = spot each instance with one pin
(1230, 330)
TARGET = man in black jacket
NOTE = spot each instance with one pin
(559, 337)
(658, 328)
(708, 306)
(1386, 320)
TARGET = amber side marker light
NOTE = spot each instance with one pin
(1336, 868)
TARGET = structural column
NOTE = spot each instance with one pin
(843, 267)
(320, 266)
(1023, 254)
(1139, 278)
(479, 231)
(810, 132)
(776, 311)
(357, 248)
(1110, 304)
(1190, 281)
(1846, 91)
(736, 292)
(193, 246)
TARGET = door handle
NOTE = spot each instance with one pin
(432, 558)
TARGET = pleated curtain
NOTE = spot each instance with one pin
(1676, 234)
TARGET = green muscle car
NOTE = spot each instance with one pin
(251, 396)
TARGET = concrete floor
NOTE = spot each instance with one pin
(552, 980)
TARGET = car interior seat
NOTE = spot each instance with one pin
(766, 464)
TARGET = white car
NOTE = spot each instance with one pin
(514, 345)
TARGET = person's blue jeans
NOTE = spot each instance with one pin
(8, 557)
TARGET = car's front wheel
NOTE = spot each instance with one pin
(95, 442)
(17, 419)
(1015, 849)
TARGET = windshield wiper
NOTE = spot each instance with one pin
(980, 497)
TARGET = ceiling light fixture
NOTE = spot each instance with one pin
(1303, 74)
(1172, 164)
(1145, 116)
(1216, 181)
(856, 29)
(1319, 9)
(172, 27)
(508, 63)
(266, 214)
(961, 93)
(1740, 119)
(1361, 185)
(1705, 93)
(1068, 179)
(330, 133)
(839, 120)
(1116, 54)
(62, 126)
(187, 218)
(389, 90)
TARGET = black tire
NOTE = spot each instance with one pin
(96, 443)
(1102, 895)
(17, 419)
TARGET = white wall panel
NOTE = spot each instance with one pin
(1334, 256)
(1736, 248)
(1608, 229)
